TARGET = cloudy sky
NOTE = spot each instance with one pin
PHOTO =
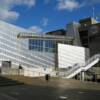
(47, 15)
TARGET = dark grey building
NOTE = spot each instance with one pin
(89, 32)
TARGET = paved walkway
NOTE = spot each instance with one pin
(55, 89)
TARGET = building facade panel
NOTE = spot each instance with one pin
(69, 55)
(17, 50)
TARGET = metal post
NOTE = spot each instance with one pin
(44, 46)
(82, 76)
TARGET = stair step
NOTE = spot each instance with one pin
(8, 82)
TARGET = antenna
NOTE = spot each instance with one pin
(93, 12)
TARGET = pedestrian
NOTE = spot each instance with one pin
(47, 77)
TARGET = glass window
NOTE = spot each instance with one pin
(42, 45)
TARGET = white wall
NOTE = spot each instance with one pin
(38, 72)
(69, 55)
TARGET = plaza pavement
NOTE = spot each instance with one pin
(55, 89)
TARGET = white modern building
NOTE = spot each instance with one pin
(15, 52)
(41, 54)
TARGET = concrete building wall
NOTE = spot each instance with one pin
(72, 31)
(70, 55)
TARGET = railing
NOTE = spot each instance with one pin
(24, 72)
(92, 59)
(76, 67)
(70, 71)
(73, 70)
(11, 71)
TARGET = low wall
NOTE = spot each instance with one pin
(27, 72)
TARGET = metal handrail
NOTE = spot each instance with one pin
(92, 59)
(22, 72)
(72, 70)
(76, 67)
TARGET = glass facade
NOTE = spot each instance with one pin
(42, 45)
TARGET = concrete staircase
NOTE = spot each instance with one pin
(8, 82)
(77, 69)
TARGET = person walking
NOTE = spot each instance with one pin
(47, 77)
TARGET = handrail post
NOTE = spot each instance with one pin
(82, 76)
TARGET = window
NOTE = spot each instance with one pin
(42, 45)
